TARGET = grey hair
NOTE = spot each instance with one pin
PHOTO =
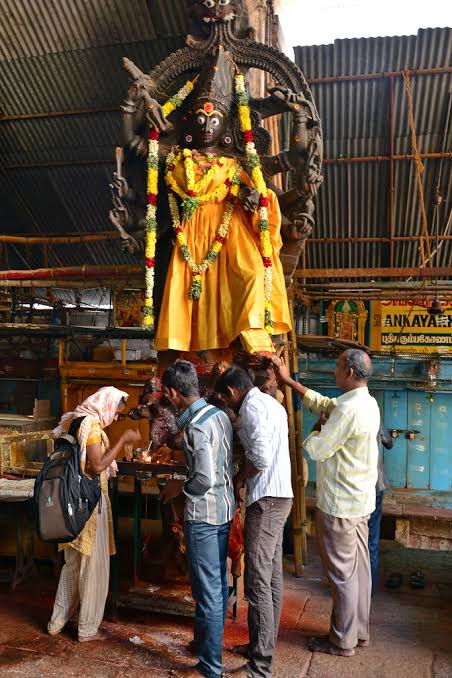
(182, 377)
(356, 359)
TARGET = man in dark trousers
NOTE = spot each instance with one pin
(266, 470)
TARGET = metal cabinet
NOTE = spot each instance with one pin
(421, 463)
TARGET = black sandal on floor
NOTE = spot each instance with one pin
(417, 580)
(394, 581)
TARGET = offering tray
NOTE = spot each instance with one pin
(145, 469)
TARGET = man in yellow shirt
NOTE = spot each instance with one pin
(346, 451)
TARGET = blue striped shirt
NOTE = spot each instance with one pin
(207, 436)
(265, 437)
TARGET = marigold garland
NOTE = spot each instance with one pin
(151, 212)
(220, 237)
(259, 182)
(194, 196)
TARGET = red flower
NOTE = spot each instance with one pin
(221, 239)
(178, 229)
(227, 182)
(191, 193)
(152, 199)
(171, 167)
(248, 136)
(153, 134)
(267, 262)
(263, 202)
(150, 262)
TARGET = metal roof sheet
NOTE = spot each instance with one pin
(66, 56)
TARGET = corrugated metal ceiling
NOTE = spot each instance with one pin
(354, 200)
(65, 55)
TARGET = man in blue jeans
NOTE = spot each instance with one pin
(209, 509)
(376, 516)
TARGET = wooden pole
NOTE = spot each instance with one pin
(296, 516)
(298, 416)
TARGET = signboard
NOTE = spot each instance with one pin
(407, 326)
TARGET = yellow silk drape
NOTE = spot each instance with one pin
(232, 298)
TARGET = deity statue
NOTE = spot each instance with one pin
(218, 273)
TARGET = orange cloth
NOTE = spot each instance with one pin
(232, 298)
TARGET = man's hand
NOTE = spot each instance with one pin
(249, 198)
(281, 370)
(171, 490)
(320, 422)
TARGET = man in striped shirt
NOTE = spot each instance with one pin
(346, 451)
(209, 509)
(264, 435)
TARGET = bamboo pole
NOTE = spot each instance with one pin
(327, 273)
(60, 239)
(76, 272)
(298, 416)
(296, 509)
(93, 283)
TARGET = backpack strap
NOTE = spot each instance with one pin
(74, 427)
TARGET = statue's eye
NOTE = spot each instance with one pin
(209, 3)
(225, 2)
(215, 121)
(201, 119)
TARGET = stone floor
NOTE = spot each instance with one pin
(411, 636)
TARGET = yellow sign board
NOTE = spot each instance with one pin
(406, 326)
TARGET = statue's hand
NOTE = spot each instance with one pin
(119, 217)
(130, 245)
(249, 198)
(119, 187)
(293, 101)
(139, 90)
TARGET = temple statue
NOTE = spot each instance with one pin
(193, 189)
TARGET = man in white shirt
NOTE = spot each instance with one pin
(346, 450)
(264, 435)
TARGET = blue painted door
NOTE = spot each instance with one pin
(418, 450)
(441, 442)
(394, 416)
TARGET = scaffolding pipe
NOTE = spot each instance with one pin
(378, 76)
(364, 239)
(385, 158)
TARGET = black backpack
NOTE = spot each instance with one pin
(64, 497)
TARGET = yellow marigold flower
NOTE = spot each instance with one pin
(197, 277)
(153, 182)
(245, 117)
(235, 189)
(148, 303)
(181, 238)
(269, 329)
(168, 108)
(216, 247)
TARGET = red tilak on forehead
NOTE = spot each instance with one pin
(208, 107)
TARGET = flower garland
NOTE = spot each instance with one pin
(220, 237)
(194, 196)
(151, 212)
(259, 182)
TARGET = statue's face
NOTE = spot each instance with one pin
(219, 11)
(209, 126)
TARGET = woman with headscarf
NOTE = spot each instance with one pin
(85, 575)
